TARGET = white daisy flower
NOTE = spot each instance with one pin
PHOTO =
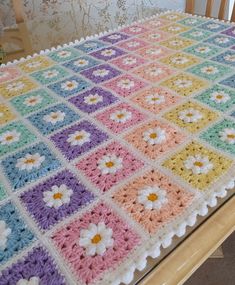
(230, 57)
(154, 136)
(50, 73)
(126, 83)
(9, 137)
(155, 23)
(155, 71)
(222, 40)
(133, 44)
(191, 21)
(190, 115)
(4, 233)
(220, 97)
(135, 29)
(4, 74)
(108, 52)
(174, 29)
(213, 26)
(152, 197)
(209, 69)
(110, 164)
(79, 138)
(100, 72)
(155, 99)
(15, 86)
(179, 59)
(96, 239)
(155, 36)
(129, 60)
(154, 51)
(69, 85)
(198, 164)
(197, 34)
(34, 280)
(183, 83)
(171, 17)
(33, 64)
(64, 54)
(30, 161)
(228, 135)
(57, 196)
(114, 37)
(93, 99)
(54, 117)
(203, 49)
(121, 116)
(32, 101)
(176, 42)
(81, 62)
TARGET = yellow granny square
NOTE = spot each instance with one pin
(174, 16)
(6, 114)
(177, 43)
(175, 28)
(198, 165)
(36, 63)
(184, 84)
(191, 116)
(17, 87)
(180, 60)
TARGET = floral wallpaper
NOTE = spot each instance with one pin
(53, 22)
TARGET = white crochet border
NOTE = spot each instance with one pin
(211, 201)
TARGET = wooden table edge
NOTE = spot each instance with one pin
(178, 266)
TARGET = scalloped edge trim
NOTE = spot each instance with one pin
(155, 251)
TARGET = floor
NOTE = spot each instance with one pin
(217, 271)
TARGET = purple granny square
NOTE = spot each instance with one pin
(36, 266)
(78, 139)
(230, 32)
(58, 197)
(101, 73)
(93, 100)
(114, 38)
(108, 53)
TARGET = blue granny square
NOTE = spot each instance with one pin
(64, 54)
(230, 81)
(213, 26)
(81, 63)
(69, 86)
(221, 41)
(90, 46)
(53, 118)
(227, 57)
(29, 165)
(18, 236)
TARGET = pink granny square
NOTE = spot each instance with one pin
(109, 165)
(154, 36)
(153, 72)
(132, 44)
(120, 117)
(125, 85)
(156, 99)
(154, 52)
(8, 73)
(156, 23)
(135, 30)
(109, 240)
(128, 62)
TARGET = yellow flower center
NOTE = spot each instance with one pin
(96, 239)
(33, 100)
(9, 138)
(70, 84)
(29, 161)
(231, 136)
(152, 197)
(109, 164)
(189, 115)
(57, 196)
(153, 136)
(93, 99)
(120, 116)
(198, 163)
(155, 99)
(219, 96)
(78, 137)
(54, 116)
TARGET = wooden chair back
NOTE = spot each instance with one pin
(190, 8)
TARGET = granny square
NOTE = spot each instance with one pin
(155, 23)
(53, 118)
(86, 265)
(221, 41)
(174, 28)
(32, 101)
(57, 198)
(177, 43)
(154, 52)
(6, 114)
(109, 165)
(191, 22)
(128, 62)
(17, 235)
(230, 32)
(132, 44)
(70, 86)
(229, 82)
(120, 117)
(8, 73)
(92, 100)
(154, 36)
(227, 57)
(180, 60)
(78, 139)
(37, 267)
(152, 200)
(197, 34)
(100, 73)
(108, 53)
(203, 50)
(64, 54)
(28, 165)
(114, 38)
(213, 26)
(14, 136)
(35, 63)
(134, 30)
(81, 63)
(172, 16)
(90, 46)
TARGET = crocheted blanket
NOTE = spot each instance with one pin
(112, 145)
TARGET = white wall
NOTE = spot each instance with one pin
(170, 4)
